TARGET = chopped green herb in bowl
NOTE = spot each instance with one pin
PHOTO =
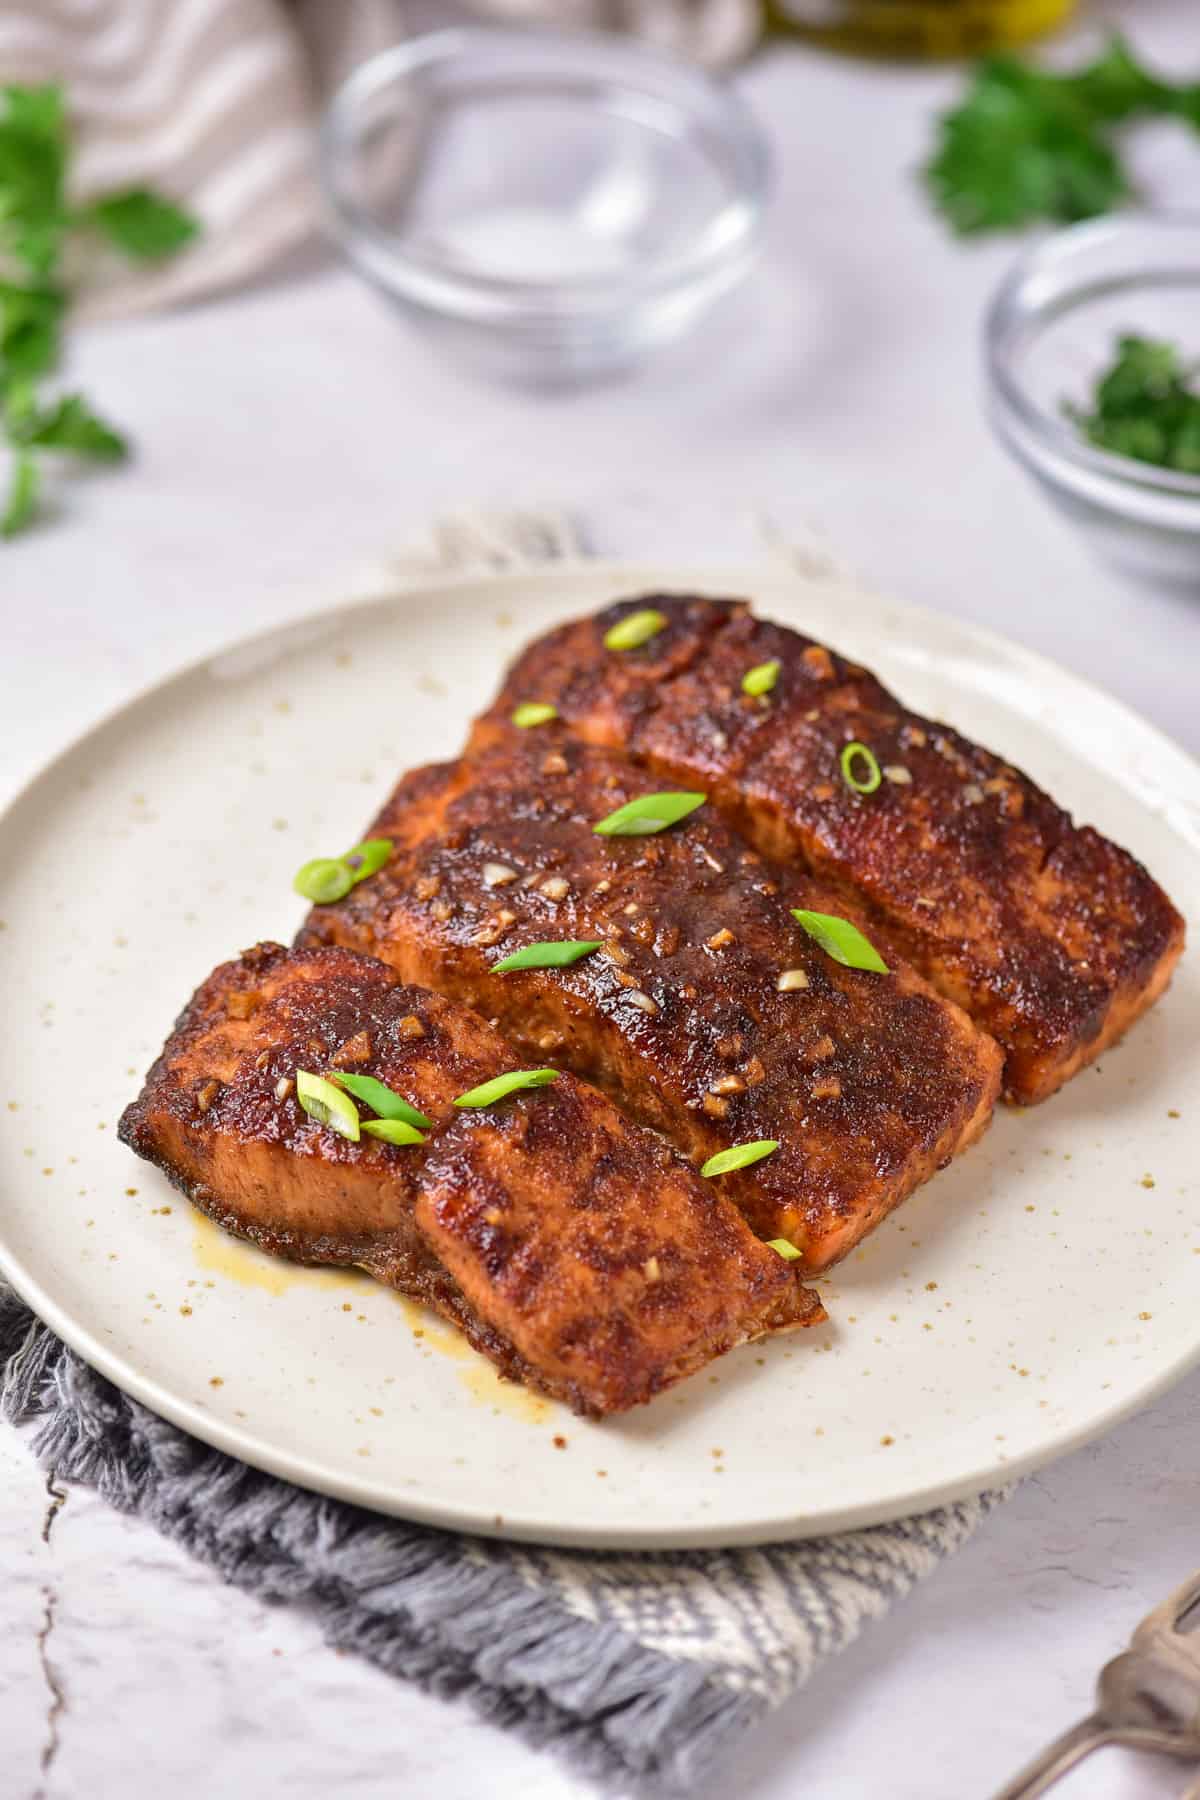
(1145, 405)
(1099, 415)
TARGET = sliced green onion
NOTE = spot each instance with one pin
(534, 712)
(873, 777)
(504, 1085)
(330, 878)
(393, 1131)
(739, 1156)
(380, 1098)
(325, 879)
(649, 813)
(555, 955)
(761, 678)
(841, 940)
(327, 1104)
(367, 858)
(634, 630)
(782, 1247)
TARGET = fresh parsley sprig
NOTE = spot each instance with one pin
(1027, 144)
(37, 218)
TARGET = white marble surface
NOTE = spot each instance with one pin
(298, 433)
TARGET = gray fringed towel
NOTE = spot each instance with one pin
(636, 1667)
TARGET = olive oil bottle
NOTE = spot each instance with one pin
(916, 28)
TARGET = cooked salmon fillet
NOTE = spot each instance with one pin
(869, 1082)
(573, 1248)
(1053, 938)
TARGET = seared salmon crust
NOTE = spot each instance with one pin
(1052, 938)
(869, 1082)
(571, 1247)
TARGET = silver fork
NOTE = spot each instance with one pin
(1148, 1698)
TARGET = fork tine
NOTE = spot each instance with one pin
(1170, 1613)
(1056, 1759)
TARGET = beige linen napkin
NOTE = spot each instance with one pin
(215, 102)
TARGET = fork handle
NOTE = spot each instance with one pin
(1056, 1759)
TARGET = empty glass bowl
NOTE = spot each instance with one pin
(553, 205)
(1051, 329)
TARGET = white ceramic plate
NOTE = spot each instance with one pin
(1021, 1303)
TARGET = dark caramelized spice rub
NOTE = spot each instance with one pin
(1053, 938)
(573, 1248)
(707, 1012)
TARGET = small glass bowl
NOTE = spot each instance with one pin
(553, 205)
(1050, 330)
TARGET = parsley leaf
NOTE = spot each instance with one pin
(35, 221)
(70, 425)
(30, 318)
(142, 224)
(1116, 87)
(1146, 405)
(33, 164)
(21, 504)
(41, 111)
(1026, 144)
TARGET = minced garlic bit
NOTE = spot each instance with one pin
(554, 764)
(498, 874)
(426, 886)
(632, 909)
(828, 1088)
(206, 1094)
(898, 773)
(493, 929)
(650, 1268)
(411, 1027)
(642, 1001)
(715, 1106)
(555, 887)
(283, 1087)
(719, 939)
(718, 868)
(355, 1050)
(728, 1084)
(791, 980)
(972, 793)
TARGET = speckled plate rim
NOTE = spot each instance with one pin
(588, 583)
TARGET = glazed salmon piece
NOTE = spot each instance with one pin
(1053, 938)
(571, 1247)
(707, 1012)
